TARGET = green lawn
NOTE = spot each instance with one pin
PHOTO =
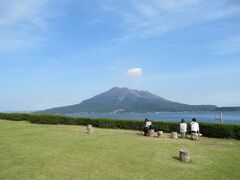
(30, 151)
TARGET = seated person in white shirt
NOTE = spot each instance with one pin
(148, 124)
(147, 127)
(194, 126)
(183, 127)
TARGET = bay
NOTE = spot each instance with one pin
(210, 117)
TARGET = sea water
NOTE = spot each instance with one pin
(228, 117)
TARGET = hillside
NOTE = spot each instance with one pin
(228, 109)
(127, 100)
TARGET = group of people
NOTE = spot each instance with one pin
(193, 125)
(183, 127)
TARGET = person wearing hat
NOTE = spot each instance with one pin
(195, 131)
(147, 127)
(194, 126)
(183, 128)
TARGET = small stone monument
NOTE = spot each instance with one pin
(184, 155)
(151, 132)
(183, 135)
(89, 129)
(194, 136)
(174, 135)
(160, 134)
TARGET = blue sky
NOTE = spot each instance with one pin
(55, 53)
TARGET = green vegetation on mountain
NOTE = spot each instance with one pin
(228, 109)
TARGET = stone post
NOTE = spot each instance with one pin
(183, 135)
(89, 129)
(184, 155)
(151, 132)
(160, 134)
(174, 135)
(194, 136)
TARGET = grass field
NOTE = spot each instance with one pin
(30, 151)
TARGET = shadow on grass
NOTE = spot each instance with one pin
(140, 133)
(178, 159)
(167, 135)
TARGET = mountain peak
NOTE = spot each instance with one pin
(118, 88)
(126, 92)
(127, 100)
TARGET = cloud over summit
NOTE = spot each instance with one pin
(134, 72)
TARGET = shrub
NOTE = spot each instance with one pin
(218, 130)
(207, 129)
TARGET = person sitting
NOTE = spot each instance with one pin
(147, 127)
(194, 126)
(183, 128)
(195, 131)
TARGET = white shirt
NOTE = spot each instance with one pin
(148, 123)
(183, 127)
(194, 126)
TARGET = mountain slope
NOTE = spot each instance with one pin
(228, 109)
(127, 100)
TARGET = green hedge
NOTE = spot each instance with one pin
(207, 129)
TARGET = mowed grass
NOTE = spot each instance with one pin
(30, 151)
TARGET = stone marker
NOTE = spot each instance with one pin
(151, 132)
(184, 155)
(89, 129)
(160, 134)
(174, 135)
(194, 136)
(183, 135)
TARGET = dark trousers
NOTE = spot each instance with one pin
(145, 130)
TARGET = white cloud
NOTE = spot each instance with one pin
(25, 23)
(143, 19)
(134, 72)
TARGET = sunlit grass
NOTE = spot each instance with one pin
(30, 151)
